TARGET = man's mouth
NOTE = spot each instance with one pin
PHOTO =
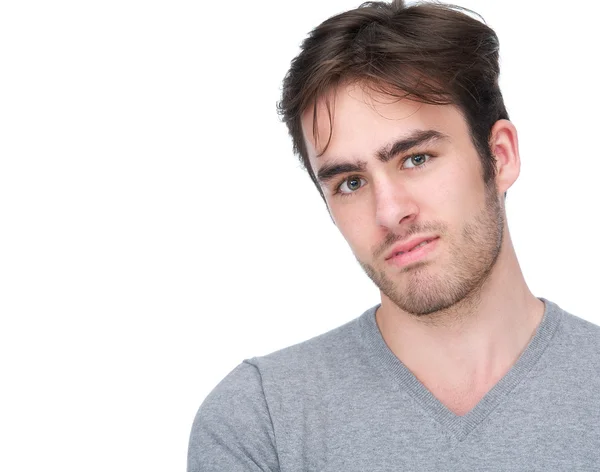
(416, 247)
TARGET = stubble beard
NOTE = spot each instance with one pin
(471, 262)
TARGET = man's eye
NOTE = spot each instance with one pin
(351, 184)
(416, 160)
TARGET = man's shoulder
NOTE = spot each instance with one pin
(323, 357)
(303, 368)
(580, 329)
(332, 343)
(576, 345)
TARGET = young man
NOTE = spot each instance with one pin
(396, 113)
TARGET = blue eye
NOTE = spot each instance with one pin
(351, 184)
(417, 160)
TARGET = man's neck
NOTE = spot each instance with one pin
(473, 344)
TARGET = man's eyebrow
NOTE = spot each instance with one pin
(416, 138)
(419, 137)
(329, 171)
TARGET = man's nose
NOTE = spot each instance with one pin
(395, 205)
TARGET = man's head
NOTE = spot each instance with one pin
(431, 53)
(397, 115)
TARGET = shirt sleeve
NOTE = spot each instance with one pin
(233, 430)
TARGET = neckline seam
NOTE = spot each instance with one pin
(395, 373)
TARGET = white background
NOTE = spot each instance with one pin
(156, 230)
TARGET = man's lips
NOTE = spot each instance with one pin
(408, 246)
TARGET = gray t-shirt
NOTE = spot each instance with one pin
(343, 402)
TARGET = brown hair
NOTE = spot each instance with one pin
(428, 52)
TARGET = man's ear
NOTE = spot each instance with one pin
(504, 144)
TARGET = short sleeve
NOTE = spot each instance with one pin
(232, 430)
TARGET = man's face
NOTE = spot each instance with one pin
(397, 171)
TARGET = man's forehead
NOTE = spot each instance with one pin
(346, 107)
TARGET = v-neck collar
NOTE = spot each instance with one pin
(459, 426)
